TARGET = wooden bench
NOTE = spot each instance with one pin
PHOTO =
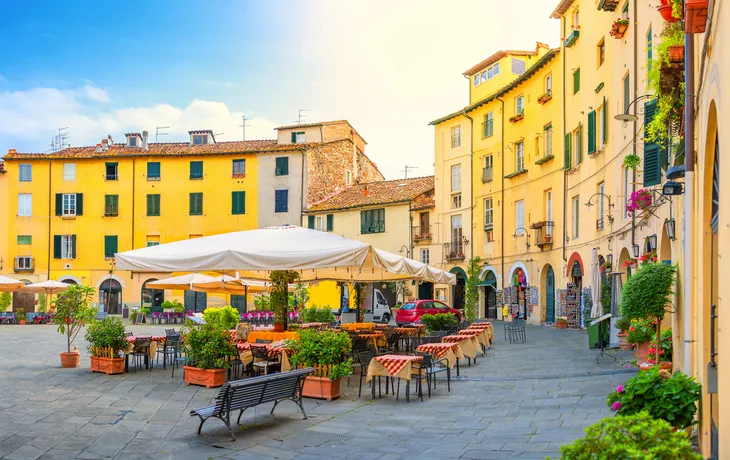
(243, 394)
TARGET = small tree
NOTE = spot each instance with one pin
(73, 311)
(471, 299)
(42, 303)
(281, 279)
(6, 299)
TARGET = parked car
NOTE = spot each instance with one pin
(412, 311)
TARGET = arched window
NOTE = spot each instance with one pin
(110, 296)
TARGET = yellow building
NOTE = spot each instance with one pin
(70, 211)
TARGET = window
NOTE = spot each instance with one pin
(297, 137)
(196, 169)
(112, 171)
(549, 211)
(600, 206)
(24, 263)
(519, 217)
(488, 125)
(110, 246)
(627, 93)
(477, 79)
(64, 246)
(200, 139)
(153, 240)
(484, 76)
(601, 52)
(519, 156)
(324, 223)
(488, 171)
(592, 132)
(25, 204)
(111, 205)
(281, 201)
(568, 151)
(372, 221)
(441, 294)
(519, 105)
(455, 136)
(576, 81)
(649, 50)
(25, 173)
(282, 166)
(518, 66)
(69, 204)
(602, 126)
(489, 220)
(576, 217)
(455, 178)
(25, 239)
(547, 135)
(153, 205)
(153, 170)
(239, 168)
(238, 203)
(577, 145)
(493, 71)
(625, 10)
(196, 204)
(69, 172)
(425, 256)
(457, 247)
(133, 141)
(456, 201)
(549, 83)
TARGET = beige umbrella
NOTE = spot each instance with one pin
(181, 282)
(9, 284)
(46, 287)
(231, 285)
(596, 291)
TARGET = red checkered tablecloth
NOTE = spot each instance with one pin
(394, 364)
(439, 350)
(244, 353)
(158, 339)
(480, 325)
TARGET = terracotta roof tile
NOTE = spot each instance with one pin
(383, 192)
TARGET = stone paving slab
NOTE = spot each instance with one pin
(519, 401)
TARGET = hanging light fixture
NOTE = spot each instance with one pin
(636, 250)
(609, 259)
(670, 227)
(652, 242)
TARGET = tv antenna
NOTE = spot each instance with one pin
(407, 168)
(243, 125)
(60, 140)
(302, 115)
(158, 133)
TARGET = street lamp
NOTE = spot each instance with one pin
(652, 242)
(517, 233)
(626, 116)
(670, 227)
(636, 250)
(609, 259)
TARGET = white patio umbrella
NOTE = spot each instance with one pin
(313, 254)
(46, 287)
(231, 285)
(596, 290)
(9, 284)
(184, 282)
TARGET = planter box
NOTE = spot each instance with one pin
(561, 325)
(107, 366)
(208, 378)
(695, 16)
(676, 54)
(321, 388)
(623, 343)
(516, 118)
(621, 30)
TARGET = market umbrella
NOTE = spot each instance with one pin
(46, 287)
(9, 284)
(231, 285)
(180, 282)
(616, 294)
(597, 309)
(313, 254)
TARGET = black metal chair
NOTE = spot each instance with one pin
(128, 334)
(141, 353)
(363, 362)
(261, 360)
(431, 366)
(178, 356)
(168, 348)
(515, 330)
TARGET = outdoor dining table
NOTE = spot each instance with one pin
(244, 353)
(272, 336)
(154, 343)
(481, 336)
(396, 366)
(411, 331)
(466, 344)
(485, 327)
(450, 351)
(357, 326)
(377, 338)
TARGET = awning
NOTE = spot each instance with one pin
(487, 283)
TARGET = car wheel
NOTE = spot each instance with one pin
(386, 318)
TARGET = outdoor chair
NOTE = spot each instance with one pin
(235, 367)
(178, 357)
(261, 360)
(170, 332)
(156, 317)
(431, 366)
(393, 341)
(362, 362)
(515, 331)
(168, 349)
(140, 353)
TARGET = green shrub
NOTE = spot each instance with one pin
(226, 317)
(42, 303)
(665, 396)
(641, 330)
(439, 321)
(107, 333)
(173, 305)
(325, 348)
(648, 292)
(666, 349)
(623, 324)
(315, 314)
(631, 437)
(6, 299)
(20, 314)
(208, 346)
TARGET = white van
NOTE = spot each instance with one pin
(377, 309)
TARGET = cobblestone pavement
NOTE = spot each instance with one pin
(519, 401)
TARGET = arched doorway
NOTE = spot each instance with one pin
(573, 297)
(622, 258)
(152, 297)
(490, 295)
(518, 282)
(549, 294)
(457, 291)
(425, 291)
(24, 300)
(110, 296)
(665, 247)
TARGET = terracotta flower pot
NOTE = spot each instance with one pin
(676, 53)
(623, 342)
(107, 366)
(69, 360)
(695, 16)
(666, 12)
(666, 365)
(208, 378)
(620, 31)
(279, 327)
(21, 322)
(561, 325)
(642, 352)
(321, 388)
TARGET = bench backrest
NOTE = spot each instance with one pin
(267, 388)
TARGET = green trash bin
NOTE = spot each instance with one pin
(593, 333)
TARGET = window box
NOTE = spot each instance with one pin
(544, 159)
(695, 16)
(676, 54)
(545, 97)
(619, 28)
(515, 174)
(572, 38)
(517, 117)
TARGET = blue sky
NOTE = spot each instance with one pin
(389, 67)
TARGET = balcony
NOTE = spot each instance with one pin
(487, 175)
(421, 233)
(455, 250)
(544, 234)
(572, 38)
(24, 264)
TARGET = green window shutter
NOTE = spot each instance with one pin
(59, 206)
(149, 205)
(363, 222)
(110, 245)
(330, 222)
(579, 146)
(605, 120)
(79, 204)
(286, 166)
(56, 246)
(652, 151)
(153, 205)
(591, 132)
(157, 206)
(282, 166)
(238, 205)
(568, 145)
(196, 204)
(576, 81)
(153, 170)
(293, 138)
(196, 169)
(73, 246)
(310, 222)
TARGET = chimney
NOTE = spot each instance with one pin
(12, 151)
(145, 135)
(98, 148)
(104, 145)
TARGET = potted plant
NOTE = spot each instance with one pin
(666, 12)
(20, 316)
(226, 317)
(548, 238)
(519, 116)
(632, 161)
(545, 97)
(6, 299)
(133, 316)
(639, 200)
(676, 53)
(619, 27)
(561, 323)
(316, 314)
(73, 312)
(640, 333)
(637, 436)
(439, 322)
(207, 347)
(623, 324)
(327, 352)
(664, 396)
(662, 355)
(106, 342)
(281, 279)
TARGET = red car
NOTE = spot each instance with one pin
(412, 311)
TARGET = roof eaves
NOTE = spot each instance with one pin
(560, 10)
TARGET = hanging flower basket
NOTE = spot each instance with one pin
(641, 199)
(619, 27)
(666, 12)
(517, 117)
(695, 16)
(676, 54)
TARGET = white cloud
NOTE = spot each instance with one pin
(96, 94)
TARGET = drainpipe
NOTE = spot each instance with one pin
(50, 217)
(636, 84)
(471, 181)
(689, 198)
(134, 174)
(501, 208)
(565, 172)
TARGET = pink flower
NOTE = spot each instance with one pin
(616, 406)
(620, 389)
